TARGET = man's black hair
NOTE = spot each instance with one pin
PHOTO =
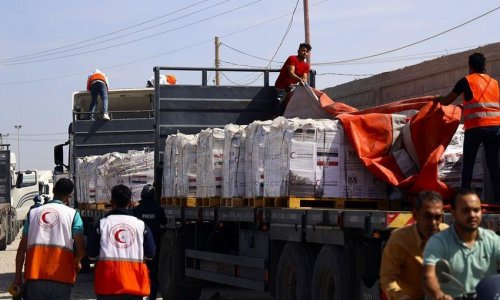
(431, 196)
(121, 195)
(460, 193)
(63, 187)
(477, 61)
(305, 45)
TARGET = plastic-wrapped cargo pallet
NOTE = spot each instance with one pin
(97, 175)
(210, 157)
(255, 142)
(170, 156)
(233, 168)
(450, 164)
(186, 176)
(311, 158)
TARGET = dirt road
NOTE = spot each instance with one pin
(84, 288)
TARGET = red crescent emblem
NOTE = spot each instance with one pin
(122, 235)
(43, 217)
(48, 217)
(117, 236)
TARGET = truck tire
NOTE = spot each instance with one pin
(329, 276)
(294, 272)
(171, 270)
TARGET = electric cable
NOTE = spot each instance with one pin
(103, 35)
(411, 44)
(135, 40)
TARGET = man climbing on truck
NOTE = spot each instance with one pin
(295, 70)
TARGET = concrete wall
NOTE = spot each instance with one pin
(434, 77)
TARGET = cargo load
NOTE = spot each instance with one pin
(255, 142)
(233, 167)
(209, 161)
(97, 175)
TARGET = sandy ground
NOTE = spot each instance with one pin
(84, 288)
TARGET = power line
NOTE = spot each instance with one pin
(103, 35)
(153, 56)
(280, 44)
(135, 40)
(411, 44)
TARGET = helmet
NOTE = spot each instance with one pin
(37, 199)
(148, 192)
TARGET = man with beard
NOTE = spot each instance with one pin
(472, 252)
(401, 268)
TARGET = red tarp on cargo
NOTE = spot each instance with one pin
(411, 165)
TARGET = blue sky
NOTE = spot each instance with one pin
(49, 47)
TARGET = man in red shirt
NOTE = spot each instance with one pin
(295, 69)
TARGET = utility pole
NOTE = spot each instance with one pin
(306, 26)
(18, 127)
(217, 61)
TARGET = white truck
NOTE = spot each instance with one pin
(17, 190)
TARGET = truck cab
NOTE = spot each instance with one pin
(17, 190)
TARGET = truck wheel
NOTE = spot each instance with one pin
(328, 281)
(171, 270)
(294, 272)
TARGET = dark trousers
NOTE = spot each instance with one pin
(490, 138)
(153, 276)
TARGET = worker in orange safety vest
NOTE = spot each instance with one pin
(97, 85)
(46, 247)
(481, 115)
(121, 242)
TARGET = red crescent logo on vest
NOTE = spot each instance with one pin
(48, 217)
(122, 236)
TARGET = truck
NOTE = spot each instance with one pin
(303, 252)
(17, 190)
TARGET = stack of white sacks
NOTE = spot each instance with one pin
(96, 175)
(312, 158)
(282, 157)
(450, 164)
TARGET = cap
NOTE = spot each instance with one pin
(148, 192)
(37, 199)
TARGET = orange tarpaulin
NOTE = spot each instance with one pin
(403, 155)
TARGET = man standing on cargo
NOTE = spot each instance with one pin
(295, 70)
(97, 85)
(120, 242)
(46, 247)
(401, 268)
(481, 114)
(472, 252)
(154, 217)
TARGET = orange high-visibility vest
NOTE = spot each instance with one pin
(484, 107)
(120, 269)
(96, 76)
(50, 244)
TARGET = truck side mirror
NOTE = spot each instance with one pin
(19, 180)
(43, 189)
(58, 155)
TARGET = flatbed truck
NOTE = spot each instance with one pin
(294, 253)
